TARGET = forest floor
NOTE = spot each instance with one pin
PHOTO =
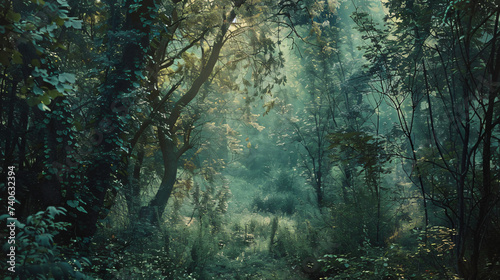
(255, 266)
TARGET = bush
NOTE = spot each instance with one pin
(37, 256)
(284, 204)
(393, 262)
(284, 182)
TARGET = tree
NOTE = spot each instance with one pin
(126, 84)
(189, 55)
(36, 86)
(431, 68)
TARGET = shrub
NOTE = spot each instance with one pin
(393, 262)
(284, 204)
(284, 182)
(37, 256)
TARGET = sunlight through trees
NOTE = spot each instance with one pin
(250, 139)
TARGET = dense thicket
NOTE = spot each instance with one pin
(251, 139)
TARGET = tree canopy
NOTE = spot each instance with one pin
(250, 139)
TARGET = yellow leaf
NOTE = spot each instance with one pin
(14, 17)
(35, 62)
(17, 57)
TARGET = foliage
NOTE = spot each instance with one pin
(38, 254)
(366, 150)
(252, 139)
(275, 204)
(29, 42)
(119, 257)
(394, 262)
(418, 65)
(279, 194)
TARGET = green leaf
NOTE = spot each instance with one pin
(77, 24)
(63, 3)
(37, 90)
(67, 77)
(44, 239)
(60, 87)
(81, 209)
(139, 74)
(73, 22)
(73, 203)
(52, 80)
(4, 217)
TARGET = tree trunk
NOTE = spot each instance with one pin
(133, 187)
(154, 211)
(168, 143)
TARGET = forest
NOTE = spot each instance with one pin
(250, 139)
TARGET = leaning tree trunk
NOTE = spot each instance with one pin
(170, 152)
(154, 211)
